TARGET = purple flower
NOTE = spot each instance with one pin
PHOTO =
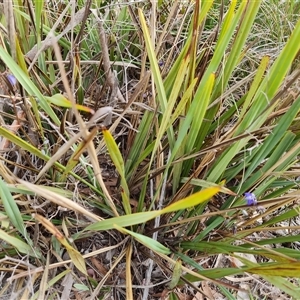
(12, 79)
(250, 198)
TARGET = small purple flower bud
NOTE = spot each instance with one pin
(161, 63)
(250, 198)
(12, 79)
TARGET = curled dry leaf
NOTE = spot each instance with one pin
(102, 113)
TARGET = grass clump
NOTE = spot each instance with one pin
(149, 151)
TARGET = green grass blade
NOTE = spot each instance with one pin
(284, 285)
(123, 221)
(245, 16)
(161, 94)
(170, 79)
(198, 110)
(38, 18)
(12, 209)
(269, 144)
(28, 84)
(17, 243)
(255, 85)
(138, 218)
(140, 142)
(118, 161)
(146, 241)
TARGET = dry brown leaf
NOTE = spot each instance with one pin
(207, 291)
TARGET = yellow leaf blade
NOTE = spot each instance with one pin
(291, 269)
(75, 256)
(192, 200)
(62, 101)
